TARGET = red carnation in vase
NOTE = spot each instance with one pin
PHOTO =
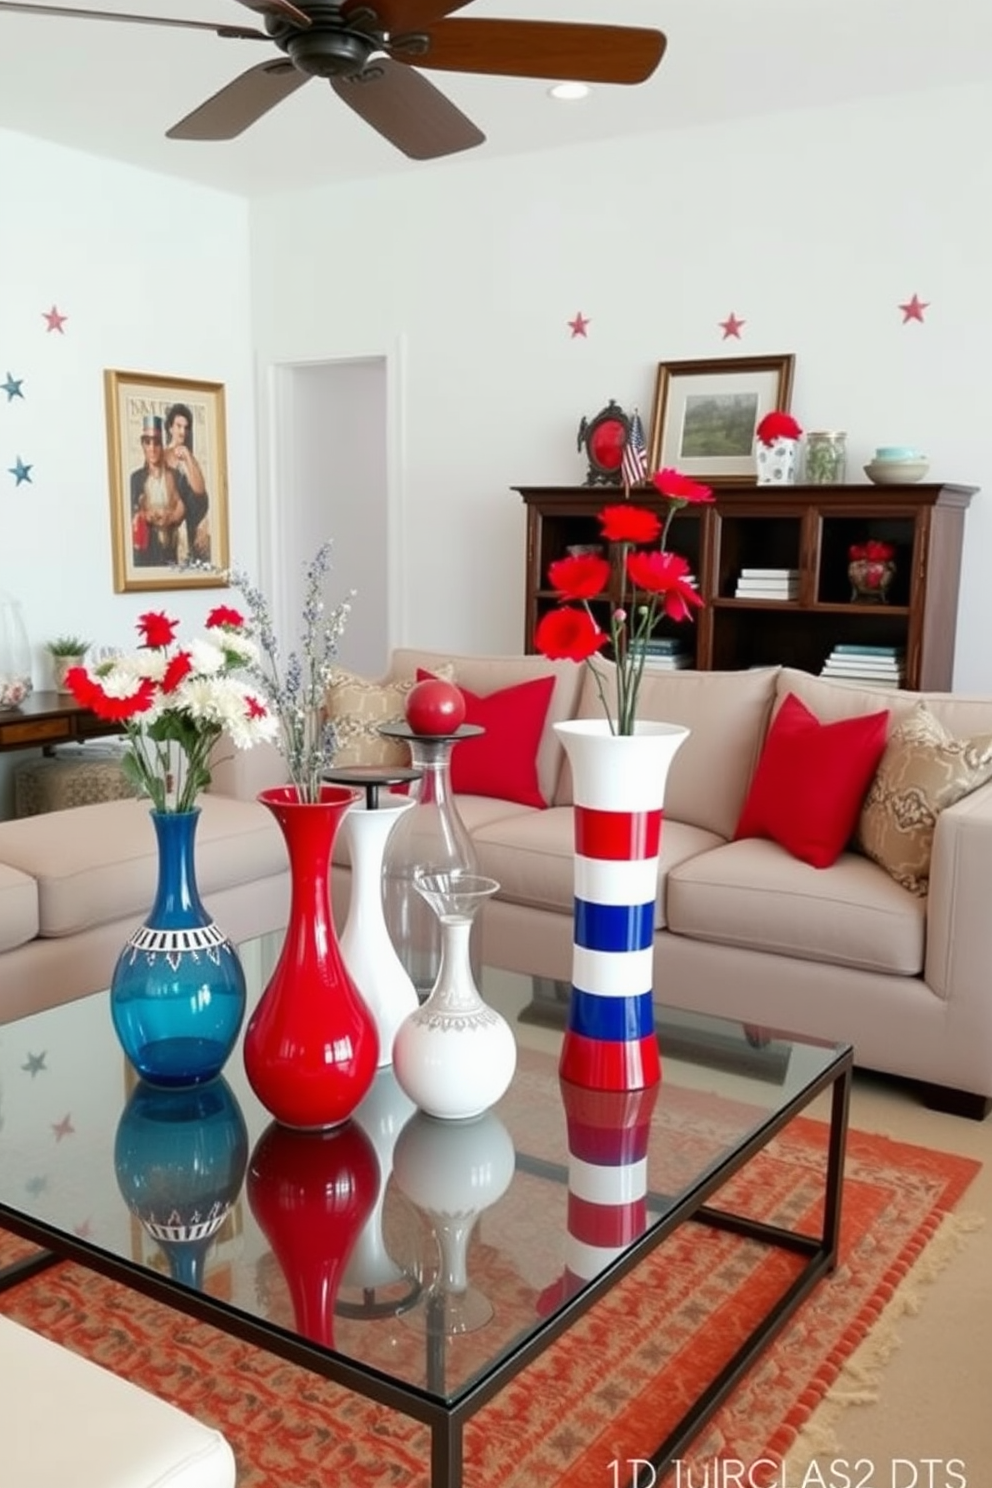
(568, 634)
(629, 524)
(579, 578)
(105, 704)
(157, 629)
(179, 667)
(665, 575)
(681, 488)
(225, 617)
(777, 425)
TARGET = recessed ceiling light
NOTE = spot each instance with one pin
(570, 91)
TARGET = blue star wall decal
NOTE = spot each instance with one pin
(35, 1063)
(12, 387)
(20, 471)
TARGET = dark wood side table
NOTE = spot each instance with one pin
(48, 718)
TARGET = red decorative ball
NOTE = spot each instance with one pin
(435, 707)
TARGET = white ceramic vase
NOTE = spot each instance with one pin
(455, 1056)
(367, 948)
(618, 789)
(777, 463)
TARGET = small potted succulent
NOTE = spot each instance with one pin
(66, 651)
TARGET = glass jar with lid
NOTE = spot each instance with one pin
(15, 654)
(826, 457)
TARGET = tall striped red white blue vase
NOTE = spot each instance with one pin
(618, 788)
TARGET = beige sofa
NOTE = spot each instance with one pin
(742, 929)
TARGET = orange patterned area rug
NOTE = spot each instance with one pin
(608, 1391)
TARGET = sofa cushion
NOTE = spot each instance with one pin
(96, 864)
(484, 674)
(358, 706)
(755, 895)
(811, 780)
(532, 857)
(502, 761)
(726, 714)
(961, 714)
(18, 908)
(922, 772)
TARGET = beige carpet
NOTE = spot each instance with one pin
(919, 1386)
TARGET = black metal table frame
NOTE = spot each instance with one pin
(446, 1419)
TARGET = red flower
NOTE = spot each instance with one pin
(179, 667)
(568, 634)
(157, 629)
(579, 578)
(777, 425)
(679, 487)
(667, 576)
(117, 709)
(224, 617)
(254, 708)
(629, 524)
(875, 552)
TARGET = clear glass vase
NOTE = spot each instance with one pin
(433, 837)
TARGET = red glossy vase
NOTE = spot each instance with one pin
(311, 1193)
(311, 1048)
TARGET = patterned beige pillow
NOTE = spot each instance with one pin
(358, 706)
(922, 772)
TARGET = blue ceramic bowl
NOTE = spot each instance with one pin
(897, 452)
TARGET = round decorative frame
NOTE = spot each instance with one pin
(603, 438)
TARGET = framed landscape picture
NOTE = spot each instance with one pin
(167, 458)
(705, 414)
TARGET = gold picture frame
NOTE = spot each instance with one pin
(167, 456)
(706, 413)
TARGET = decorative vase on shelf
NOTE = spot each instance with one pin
(452, 1172)
(618, 786)
(180, 1158)
(311, 1193)
(455, 1055)
(15, 654)
(431, 836)
(826, 457)
(177, 997)
(871, 579)
(777, 463)
(369, 954)
(311, 1048)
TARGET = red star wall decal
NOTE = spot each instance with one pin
(731, 327)
(913, 309)
(578, 325)
(55, 320)
(63, 1128)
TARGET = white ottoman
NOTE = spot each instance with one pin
(68, 1423)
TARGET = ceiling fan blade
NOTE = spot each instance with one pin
(230, 112)
(408, 111)
(241, 33)
(543, 49)
(281, 9)
(406, 15)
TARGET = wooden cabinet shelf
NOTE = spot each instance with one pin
(806, 528)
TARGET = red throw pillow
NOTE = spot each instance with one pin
(811, 780)
(502, 762)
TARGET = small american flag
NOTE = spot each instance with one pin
(634, 463)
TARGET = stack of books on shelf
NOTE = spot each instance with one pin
(768, 583)
(881, 666)
(665, 653)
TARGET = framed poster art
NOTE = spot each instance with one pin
(706, 412)
(168, 481)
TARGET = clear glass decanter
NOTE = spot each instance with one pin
(431, 836)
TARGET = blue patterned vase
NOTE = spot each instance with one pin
(178, 993)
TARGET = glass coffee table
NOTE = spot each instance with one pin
(421, 1264)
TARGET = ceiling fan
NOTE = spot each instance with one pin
(370, 54)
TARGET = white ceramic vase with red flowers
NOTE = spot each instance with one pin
(776, 449)
(619, 765)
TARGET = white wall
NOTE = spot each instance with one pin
(812, 227)
(153, 276)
